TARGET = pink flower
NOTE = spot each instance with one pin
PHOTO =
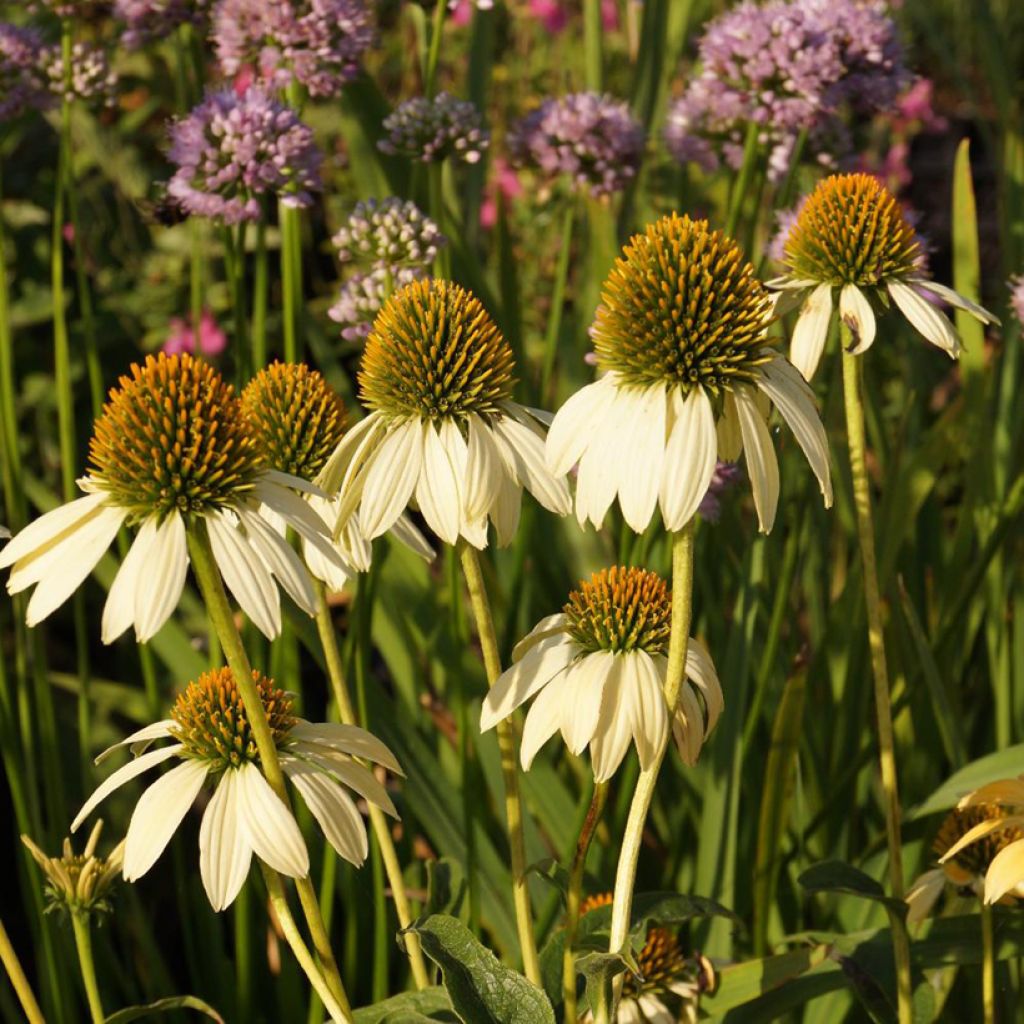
(609, 15)
(551, 12)
(461, 12)
(916, 105)
(505, 183)
(181, 338)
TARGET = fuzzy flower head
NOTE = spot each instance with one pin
(317, 43)
(593, 139)
(443, 431)
(388, 233)
(431, 130)
(148, 20)
(23, 84)
(89, 79)
(212, 741)
(597, 671)
(362, 296)
(852, 237)
(679, 336)
(232, 150)
(172, 454)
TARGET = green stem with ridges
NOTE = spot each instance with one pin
(83, 945)
(347, 714)
(509, 767)
(988, 966)
(852, 392)
(434, 51)
(288, 222)
(574, 898)
(629, 855)
(219, 610)
(592, 31)
(20, 984)
(261, 285)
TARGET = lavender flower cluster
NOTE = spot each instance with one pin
(90, 78)
(147, 20)
(430, 130)
(786, 66)
(232, 149)
(362, 296)
(22, 86)
(317, 43)
(391, 232)
(589, 137)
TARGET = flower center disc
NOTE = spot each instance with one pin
(620, 609)
(976, 858)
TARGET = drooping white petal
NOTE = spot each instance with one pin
(472, 527)
(282, 561)
(161, 578)
(390, 479)
(1005, 872)
(526, 447)
(811, 331)
(954, 298)
(484, 469)
(645, 442)
(224, 850)
(544, 662)
(700, 669)
(245, 576)
(405, 531)
(438, 492)
(612, 735)
(355, 776)
(49, 528)
(548, 626)
(690, 459)
(542, 722)
(688, 727)
(604, 461)
(935, 326)
(855, 311)
(268, 825)
(980, 831)
(119, 610)
(334, 810)
(572, 429)
(762, 466)
(347, 458)
(785, 301)
(644, 699)
(730, 437)
(924, 891)
(158, 814)
(292, 482)
(794, 400)
(582, 690)
(346, 739)
(139, 740)
(506, 511)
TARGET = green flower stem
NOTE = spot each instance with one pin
(261, 282)
(558, 297)
(509, 768)
(629, 855)
(434, 52)
(741, 184)
(852, 392)
(592, 32)
(83, 944)
(234, 253)
(291, 286)
(10, 453)
(988, 973)
(195, 240)
(340, 1011)
(347, 713)
(435, 184)
(242, 912)
(22, 989)
(219, 610)
(572, 909)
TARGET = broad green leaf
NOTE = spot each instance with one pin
(431, 1004)
(131, 1013)
(482, 990)
(1003, 764)
(967, 264)
(836, 876)
(446, 886)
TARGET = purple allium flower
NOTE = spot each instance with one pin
(23, 86)
(431, 130)
(232, 149)
(726, 474)
(785, 66)
(784, 221)
(318, 43)
(362, 296)
(147, 20)
(391, 232)
(91, 78)
(1017, 297)
(592, 138)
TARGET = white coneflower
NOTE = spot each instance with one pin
(245, 816)
(171, 453)
(680, 334)
(443, 431)
(598, 672)
(852, 238)
(297, 421)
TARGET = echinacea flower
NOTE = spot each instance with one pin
(966, 868)
(388, 234)
(213, 740)
(431, 130)
(172, 454)
(1005, 870)
(680, 336)
(443, 431)
(597, 671)
(851, 237)
(298, 420)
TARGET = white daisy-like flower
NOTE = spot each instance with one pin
(212, 740)
(688, 378)
(851, 242)
(443, 432)
(171, 453)
(298, 420)
(597, 671)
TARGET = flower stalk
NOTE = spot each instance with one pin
(853, 395)
(83, 945)
(20, 984)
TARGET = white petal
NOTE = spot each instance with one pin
(268, 825)
(542, 722)
(506, 511)
(294, 483)
(527, 449)
(956, 299)
(541, 664)
(124, 774)
(690, 459)
(158, 814)
(611, 737)
(356, 777)
(582, 691)
(333, 808)
(282, 561)
(811, 331)
(141, 739)
(548, 626)
(245, 576)
(572, 429)
(924, 891)
(688, 727)
(296, 512)
(484, 470)
(437, 492)
(346, 739)
(645, 443)
(391, 479)
(730, 438)
(645, 700)
(224, 850)
(700, 669)
(119, 610)
(347, 457)
(1005, 872)
(855, 311)
(405, 531)
(762, 467)
(604, 461)
(49, 528)
(935, 326)
(161, 578)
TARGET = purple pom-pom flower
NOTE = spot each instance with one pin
(430, 130)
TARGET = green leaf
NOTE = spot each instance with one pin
(431, 1004)
(131, 1013)
(446, 887)
(967, 264)
(482, 990)
(1003, 764)
(551, 872)
(836, 876)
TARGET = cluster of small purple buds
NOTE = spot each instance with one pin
(88, 78)
(593, 139)
(725, 475)
(22, 84)
(390, 232)
(149, 20)
(317, 43)
(431, 130)
(362, 296)
(233, 149)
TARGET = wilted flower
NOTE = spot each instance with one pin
(680, 336)
(852, 236)
(212, 738)
(232, 149)
(430, 130)
(362, 296)
(443, 430)
(23, 85)
(391, 233)
(211, 339)
(598, 673)
(91, 78)
(318, 43)
(147, 20)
